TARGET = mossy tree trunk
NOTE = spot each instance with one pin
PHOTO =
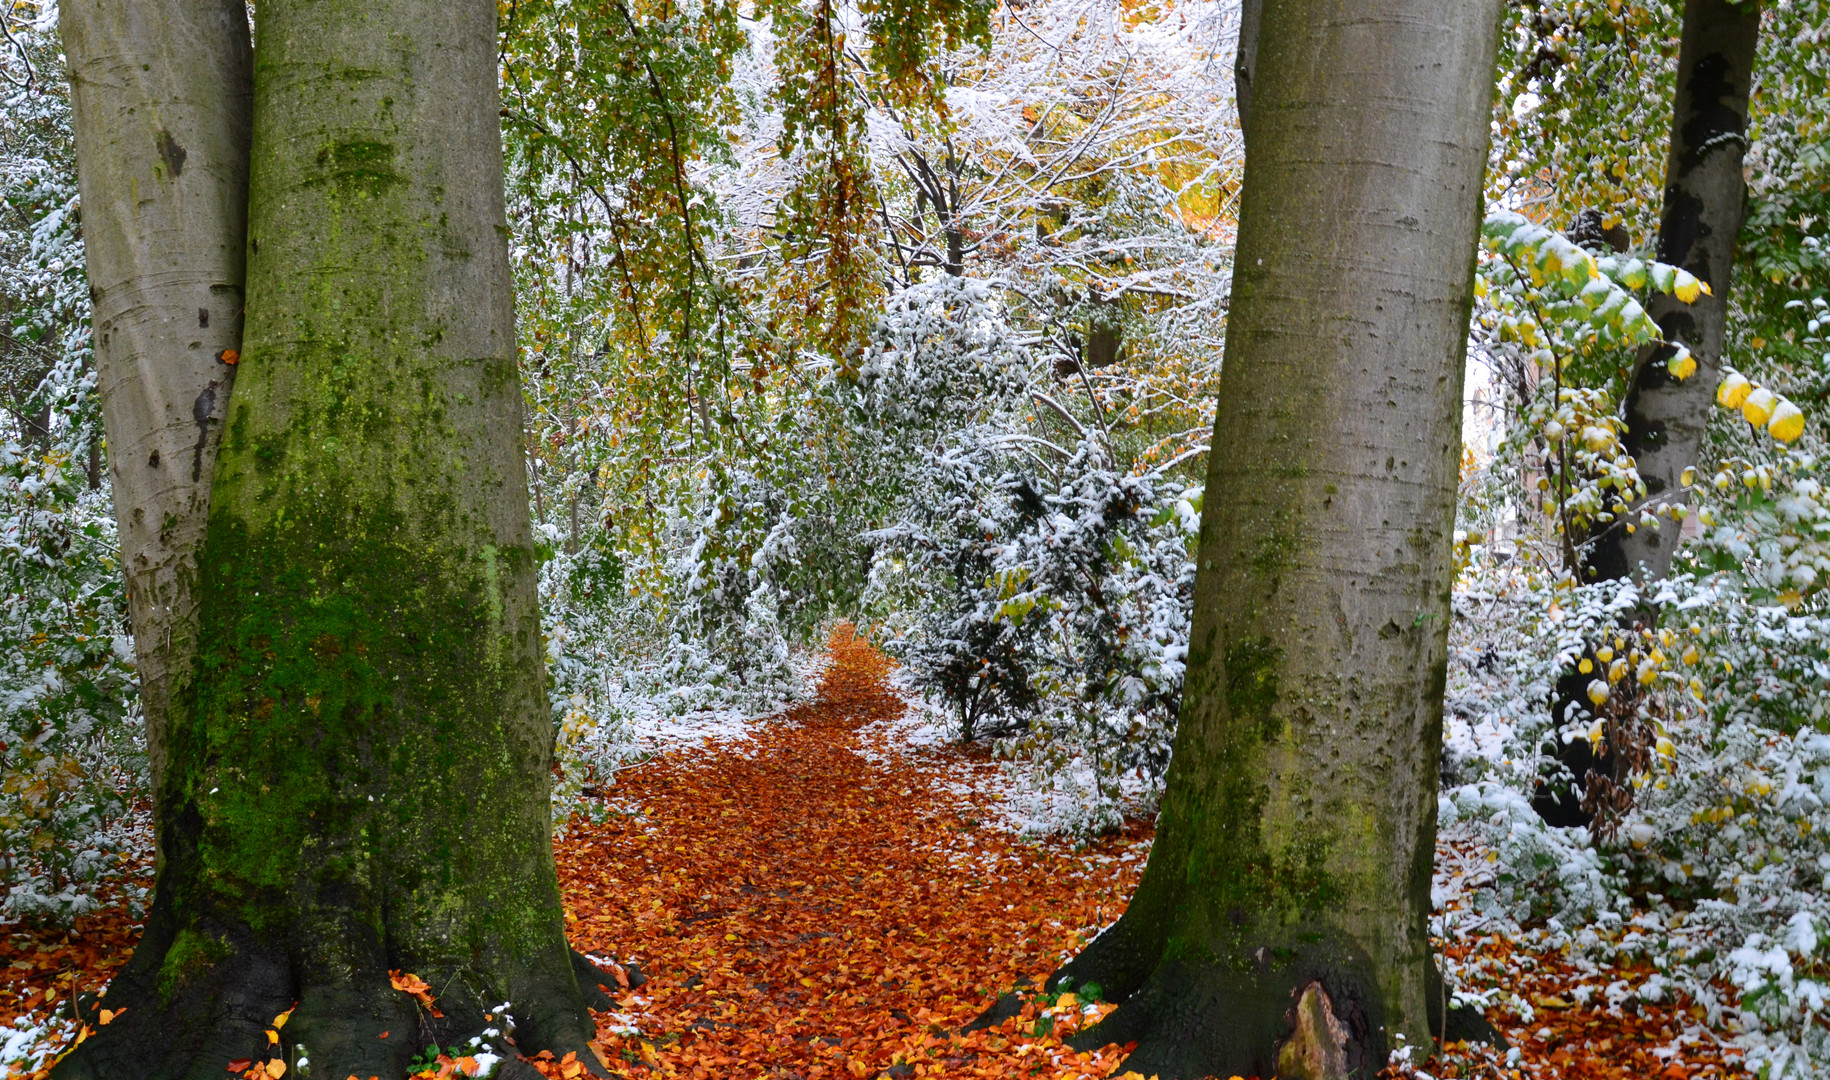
(162, 96)
(1280, 927)
(356, 775)
(1705, 202)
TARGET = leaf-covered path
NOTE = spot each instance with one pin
(824, 898)
(820, 901)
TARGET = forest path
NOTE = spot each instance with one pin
(819, 901)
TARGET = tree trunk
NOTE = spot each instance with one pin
(1297, 833)
(1667, 420)
(356, 778)
(1705, 201)
(162, 99)
(1245, 59)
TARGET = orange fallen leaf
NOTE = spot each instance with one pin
(418, 987)
(230, 357)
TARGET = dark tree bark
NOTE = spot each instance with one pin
(1705, 202)
(1280, 927)
(1667, 420)
(356, 772)
(1245, 60)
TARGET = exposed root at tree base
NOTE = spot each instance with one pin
(243, 1007)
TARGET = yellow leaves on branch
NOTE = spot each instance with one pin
(1783, 420)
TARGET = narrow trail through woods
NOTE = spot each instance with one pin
(826, 897)
(820, 901)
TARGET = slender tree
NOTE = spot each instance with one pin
(1667, 419)
(355, 778)
(1280, 927)
(162, 99)
(1705, 201)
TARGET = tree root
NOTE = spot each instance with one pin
(1222, 1018)
(188, 1004)
(1237, 1016)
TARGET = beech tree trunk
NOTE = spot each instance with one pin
(1705, 203)
(1280, 927)
(162, 97)
(356, 772)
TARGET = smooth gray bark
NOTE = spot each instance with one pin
(1297, 834)
(162, 95)
(1705, 203)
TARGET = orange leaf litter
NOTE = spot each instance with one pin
(804, 911)
(821, 901)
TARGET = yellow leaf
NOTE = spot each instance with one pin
(1733, 390)
(280, 1020)
(1788, 421)
(1687, 287)
(273, 1037)
(1598, 691)
(276, 1068)
(1682, 365)
(1758, 407)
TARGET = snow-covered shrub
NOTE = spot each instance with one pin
(1060, 600)
(1717, 873)
(581, 603)
(727, 644)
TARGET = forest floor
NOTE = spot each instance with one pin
(823, 898)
